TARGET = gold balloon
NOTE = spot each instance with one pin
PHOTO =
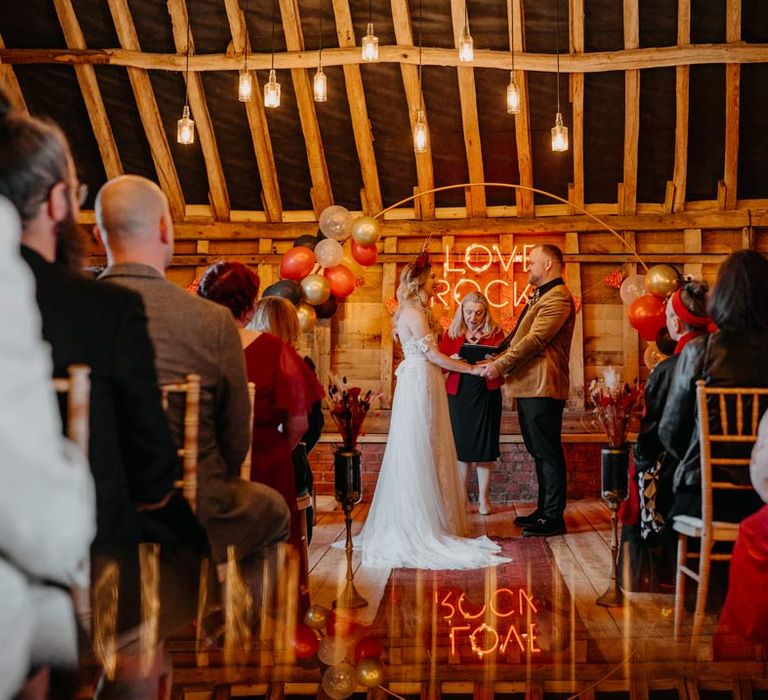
(366, 230)
(652, 356)
(348, 261)
(662, 280)
(315, 289)
(307, 320)
(316, 615)
(370, 673)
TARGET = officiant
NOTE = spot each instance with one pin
(474, 402)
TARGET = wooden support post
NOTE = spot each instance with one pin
(631, 108)
(692, 246)
(10, 83)
(732, 90)
(266, 270)
(524, 198)
(576, 362)
(682, 82)
(576, 12)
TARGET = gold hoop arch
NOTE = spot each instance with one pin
(509, 185)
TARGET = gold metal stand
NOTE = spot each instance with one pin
(350, 597)
(613, 596)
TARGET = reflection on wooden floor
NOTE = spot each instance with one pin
(638, 658)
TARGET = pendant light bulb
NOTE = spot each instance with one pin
(420, 136)
(513, 95)
(320, 85)
(272, 91)
(466, 47)
(559, 135)
(370, 45)
(185, 128)
(245, 86)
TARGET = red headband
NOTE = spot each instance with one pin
(686, 316)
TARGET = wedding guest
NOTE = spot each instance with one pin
(192, 335)
(647, 555)
(734, 355)
(285, 387)
(537, 365)
(131, 453)
(47, 499)
(474, 402)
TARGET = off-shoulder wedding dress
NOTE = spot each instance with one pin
(418, 517)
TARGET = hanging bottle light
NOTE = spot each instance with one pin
(559, 132)
(319, 82)
(272, 87)
(513, 92)
(370, 42)
(245, 81)
(466, 45)
(185, 127)
(420, 133)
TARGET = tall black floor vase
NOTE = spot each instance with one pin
(614, 477)
(347, 489)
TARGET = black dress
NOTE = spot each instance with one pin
(475, 419)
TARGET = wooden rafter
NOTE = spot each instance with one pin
(590, 62)
(401, 19)
(682, 86)
(94, 104)
(322, 196)
(469, 119)
(216, 182)
(148, 111)
(10, 83)
(524, 198)
(257, 121)
(631, 110)
(361, 126)
(576, 23)
(732, 87)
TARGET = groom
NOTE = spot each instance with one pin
(537, 365)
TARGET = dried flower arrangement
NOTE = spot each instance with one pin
(349, 407)
(613, 404)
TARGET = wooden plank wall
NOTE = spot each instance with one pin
(357, 342)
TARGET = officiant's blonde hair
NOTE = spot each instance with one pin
(458, 327)
(410, 292)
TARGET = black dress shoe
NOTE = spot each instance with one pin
(545, 527)
(523, 520)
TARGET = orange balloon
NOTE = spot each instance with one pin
(341, 279)
(646, 314)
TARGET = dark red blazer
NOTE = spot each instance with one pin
(450, 346)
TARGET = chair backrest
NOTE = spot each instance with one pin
(245, 469)
(77, 387)
(188, 451)
(737, 410)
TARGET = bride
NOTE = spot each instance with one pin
(418, 517)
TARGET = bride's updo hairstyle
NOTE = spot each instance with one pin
(410, 291)
(230, 284)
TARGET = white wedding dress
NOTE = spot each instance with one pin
(418, 517)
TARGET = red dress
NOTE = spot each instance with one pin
(285, 387)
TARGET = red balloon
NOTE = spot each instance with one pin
(341, 279)
(297, 263)
(369, 647)
(306, 642)
(339, 626)
(364, 254)
(646, 314)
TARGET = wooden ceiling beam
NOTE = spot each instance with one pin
(590, 62)
(469, 118)
(524, 198)
(89, 87)
(257, 122)
(732, 90)
(149, 113)
(358, 110)
(217, 185)
(321, 193)
(10, 83)
(682, 86)
(631, 110)
(401, 18)
(576, 23)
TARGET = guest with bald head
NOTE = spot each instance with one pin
(193, 335)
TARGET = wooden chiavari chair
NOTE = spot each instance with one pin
(188, 451)
(739, 411)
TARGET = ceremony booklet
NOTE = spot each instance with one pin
(479, 353)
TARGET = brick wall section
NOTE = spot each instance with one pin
(513, 479)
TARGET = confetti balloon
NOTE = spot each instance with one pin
(332, 650)
(662, 280)
(366, 230)
(631, 288)
(370, 673)
(335, 222)
(316, 615)
(339, 681)
(329, 252)
(315, 289)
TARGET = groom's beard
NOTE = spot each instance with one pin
(70, 244)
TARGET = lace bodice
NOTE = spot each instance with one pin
(415, 347)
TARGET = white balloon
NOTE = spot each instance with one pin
(632, 288)
(336, 222)
(332, 651)
(329, 252)
(339, 682)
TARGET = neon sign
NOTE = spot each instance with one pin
(506, 622)
(478, 259)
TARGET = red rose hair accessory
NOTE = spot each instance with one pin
(421, 263)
